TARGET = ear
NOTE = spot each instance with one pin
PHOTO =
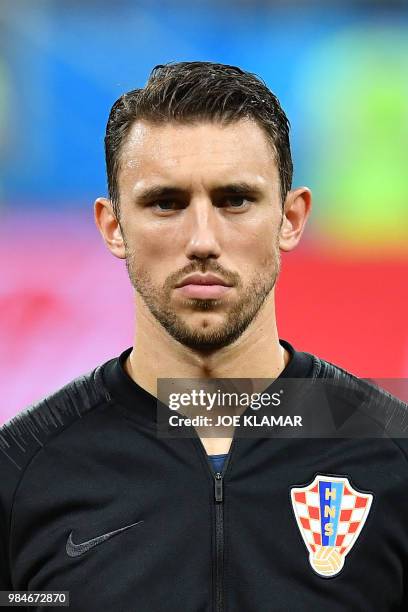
(108, 225)
(298, 204)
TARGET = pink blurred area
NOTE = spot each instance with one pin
(67, 305)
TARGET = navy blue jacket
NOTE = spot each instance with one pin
(93, 502)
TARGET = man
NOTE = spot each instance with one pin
(94, 501)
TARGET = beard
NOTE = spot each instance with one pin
(238, 315)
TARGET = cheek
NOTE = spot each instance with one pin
(147, 242)
(158, 239)
(257, 246)
(151, 256)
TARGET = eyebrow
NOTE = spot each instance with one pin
(239, 188)
(153, 193)
(161, 192)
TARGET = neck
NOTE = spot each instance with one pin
(256, 354)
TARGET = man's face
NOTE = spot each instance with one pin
(200, 198)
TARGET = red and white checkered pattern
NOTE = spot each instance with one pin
(353, 513)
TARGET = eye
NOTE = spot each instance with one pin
(237, 202)
(167, 205)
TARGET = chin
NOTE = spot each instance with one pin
(207, 321)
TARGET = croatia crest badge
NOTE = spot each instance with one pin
(330, 515)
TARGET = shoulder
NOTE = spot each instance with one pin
(27, 432)
(370, 398)
(364, 388)
(23, 437)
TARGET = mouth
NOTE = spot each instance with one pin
(204, 286)
(195, 290)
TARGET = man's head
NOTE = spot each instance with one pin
(199, 174)
(188, 92)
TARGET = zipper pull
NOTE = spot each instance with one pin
(218, 487)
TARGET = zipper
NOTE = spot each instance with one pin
(219, 540)
(219, 492)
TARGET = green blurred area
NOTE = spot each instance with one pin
(355, 88)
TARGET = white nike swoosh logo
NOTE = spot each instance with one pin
(75, 550)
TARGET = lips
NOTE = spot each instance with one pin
(204, 286)
(203, 279)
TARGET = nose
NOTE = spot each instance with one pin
(202, 230)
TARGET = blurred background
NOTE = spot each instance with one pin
(340, 71)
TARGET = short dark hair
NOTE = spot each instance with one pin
(190, 91)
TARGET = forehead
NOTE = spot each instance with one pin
(206, 151)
